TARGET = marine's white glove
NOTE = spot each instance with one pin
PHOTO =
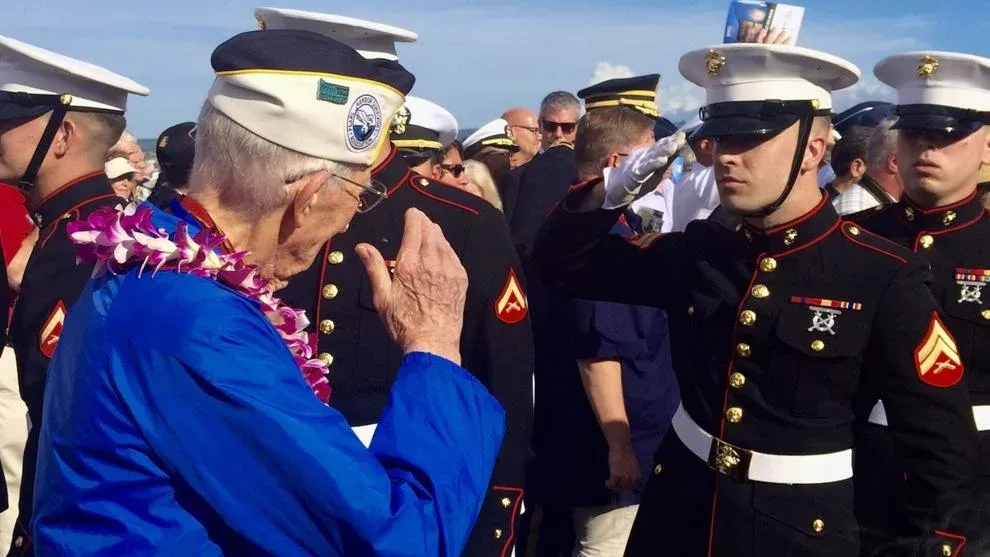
(622, 184)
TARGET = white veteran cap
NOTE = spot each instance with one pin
(117, 167)
(940, 91)
(493, 134)
(421, 125)
(758, 89)
(308, 93)
(42, 79)
(373, 40)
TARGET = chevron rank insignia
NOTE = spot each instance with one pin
(511, 305)
(51, 331)
(937, 357)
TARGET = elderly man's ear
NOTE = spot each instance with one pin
(305, 194)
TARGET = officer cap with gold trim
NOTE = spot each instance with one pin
(371, 39)
(760, 89)
(33, 81)
(421, 125)
(493, 134)
(308, 93)
(939, 91)
(638, 93)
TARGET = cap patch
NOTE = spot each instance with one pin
(163, 142)
(937, 357)
(333, 93)
(714, 62)
(511, 305)
(51, 331)
(364, 123)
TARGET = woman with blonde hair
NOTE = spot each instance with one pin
(481, 183)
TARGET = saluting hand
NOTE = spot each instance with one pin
(422, 301)
(623, 184)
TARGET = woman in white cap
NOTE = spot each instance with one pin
(122, 176)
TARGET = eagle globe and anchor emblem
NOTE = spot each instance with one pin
(364, 122)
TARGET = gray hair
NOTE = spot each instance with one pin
(559, 100)
(883, 141)
(248, 171)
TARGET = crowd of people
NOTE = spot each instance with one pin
(317, 323)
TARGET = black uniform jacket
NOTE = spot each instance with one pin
(496, 345)
(52, 282)
(955, 240)
(542, 183)
(779, 338)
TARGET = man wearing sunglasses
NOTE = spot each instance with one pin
(780, 328)
(496, 341)
(943, 127)
(559, 112)
(58, 118)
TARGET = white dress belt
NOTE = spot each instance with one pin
(981, 415)
(762, 467)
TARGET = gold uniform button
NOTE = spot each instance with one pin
(737, 380)
(657, 469)
(818, 525)
(506, 502)
(747, 318)
(743, 350)
(946, 550)
(327, 358)
(985, 314)
(734, 415)
(336, 257)
(768, 264)
(498, 533)
(926, 241)
(760, 291)
(817, 345)
(690, 311)
(19, 541)
(330, 291)
(854, 230)
(326, 326)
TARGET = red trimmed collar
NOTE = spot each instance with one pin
(942, 218)
(72, 194)
(797, 234)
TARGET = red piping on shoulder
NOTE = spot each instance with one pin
(853, 239)
(69, 184)
(425, 193)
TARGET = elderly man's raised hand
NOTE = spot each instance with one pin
(421, 301)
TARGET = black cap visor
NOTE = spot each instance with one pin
(944, 119)
(750, 118)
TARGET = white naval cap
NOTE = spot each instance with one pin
(51, 78)
(944, 91)
(117, 167)
(762, 89)
(493, 134)
(421, 124)
(371, 39)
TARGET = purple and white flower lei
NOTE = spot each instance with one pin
(117, 239)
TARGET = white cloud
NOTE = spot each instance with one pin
(605, 71)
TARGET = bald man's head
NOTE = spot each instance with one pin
(525, 128)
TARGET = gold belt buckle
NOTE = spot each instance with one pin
(729, 460)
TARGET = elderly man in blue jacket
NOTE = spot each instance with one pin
(185, 408)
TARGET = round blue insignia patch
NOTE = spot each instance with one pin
(364, 123)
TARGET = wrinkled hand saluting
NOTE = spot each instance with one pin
(422, 302)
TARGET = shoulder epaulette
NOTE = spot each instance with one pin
(866, 239)
(448, 195)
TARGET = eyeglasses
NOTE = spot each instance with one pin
(550, 126)
(531, 129)
(455, 169)
(371, 194)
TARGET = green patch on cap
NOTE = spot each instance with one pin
(331, 92)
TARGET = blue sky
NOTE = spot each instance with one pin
(478, 59)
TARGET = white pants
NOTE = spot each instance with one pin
(602, 531)
(13, 435)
